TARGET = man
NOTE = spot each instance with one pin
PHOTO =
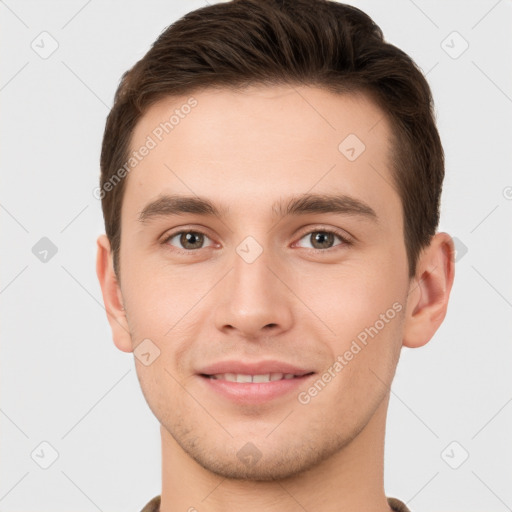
(270, 179)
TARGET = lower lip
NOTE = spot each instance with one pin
(254, 392)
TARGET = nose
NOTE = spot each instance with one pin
(254, 299)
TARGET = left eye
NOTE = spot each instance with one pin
(189, 240)
(322, 239)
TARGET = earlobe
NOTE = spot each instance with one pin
(429, 291)
(112, 296)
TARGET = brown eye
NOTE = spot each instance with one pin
(188, 240)
(191, 240)
(323, 239)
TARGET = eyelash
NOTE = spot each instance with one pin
(346, 241)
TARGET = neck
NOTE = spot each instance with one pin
(352, 479)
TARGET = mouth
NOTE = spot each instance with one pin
(254, 389)
(261, 378)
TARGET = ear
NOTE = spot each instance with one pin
(429, 291)
(112, 296)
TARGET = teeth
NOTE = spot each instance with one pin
(240, 377)
(260, 378)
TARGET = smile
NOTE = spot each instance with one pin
(241, 377)
(246, 389)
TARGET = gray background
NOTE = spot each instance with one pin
(63, 382)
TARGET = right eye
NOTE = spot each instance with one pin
(189, 240)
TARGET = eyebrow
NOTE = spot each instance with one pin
(169, 205)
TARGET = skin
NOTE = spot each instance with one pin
(246, 150)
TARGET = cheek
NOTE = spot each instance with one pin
(367, 320)
(158, 305)
(163, 306)
(154, 298)
(160, 387)
(360, 313)
(349, 299)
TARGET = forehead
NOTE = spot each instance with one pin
(260, 142)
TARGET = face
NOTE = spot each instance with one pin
(290, 249)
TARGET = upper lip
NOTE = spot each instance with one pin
(253, 368)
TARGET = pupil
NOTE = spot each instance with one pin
(190, 238)
(322, 238)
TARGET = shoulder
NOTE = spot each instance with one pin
(397, 505)
(394, 503)
(153, 505)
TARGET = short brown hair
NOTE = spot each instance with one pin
(299, 42)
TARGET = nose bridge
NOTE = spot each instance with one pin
(252, 296)
(251, 265)
(251, 275)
